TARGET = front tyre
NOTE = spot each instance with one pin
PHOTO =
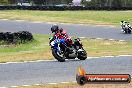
(60, 58)
(82, 55)
(129, 31)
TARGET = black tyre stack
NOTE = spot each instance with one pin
(16, 37)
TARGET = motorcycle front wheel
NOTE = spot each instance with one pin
(59, 57)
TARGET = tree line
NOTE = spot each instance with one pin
(95, 3)
(107, 3)
(36, 2)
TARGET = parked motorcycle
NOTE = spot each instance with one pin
(126, 27)
(61, 50)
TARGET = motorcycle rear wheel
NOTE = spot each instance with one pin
(82, 55)
(127, 31)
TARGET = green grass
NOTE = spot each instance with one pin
(40, 50)
(36, 45)
(84, 17)
(106, 47)
(35, 50)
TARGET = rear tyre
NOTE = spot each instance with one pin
(82, 55)
(127, 31)
(58, 57)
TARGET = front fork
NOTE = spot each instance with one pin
(58, 48)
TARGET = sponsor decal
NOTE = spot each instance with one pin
(82, 77)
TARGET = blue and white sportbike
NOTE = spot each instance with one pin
(61, 50)
(126, 27)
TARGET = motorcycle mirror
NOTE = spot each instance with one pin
(78, 39)
(50, 38)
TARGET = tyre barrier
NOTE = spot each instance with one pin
(16, 37)
(62, 8)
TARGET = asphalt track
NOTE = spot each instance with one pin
(53, 71)
(91, 31)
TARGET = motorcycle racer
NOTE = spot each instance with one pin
(125, 24)
(126, 27)
(61, 34)
(63, 47)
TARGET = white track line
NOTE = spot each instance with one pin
(108, 56)
(123, 55)
(14, 86)
(52, 83)
(82, 37)
(26, 85)
(3, 19)
(99, 38)
(37, 22)
(19, 20)
(122, 40)
(111, 39)
(37, 84)
(65, 82)
(56, 60)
